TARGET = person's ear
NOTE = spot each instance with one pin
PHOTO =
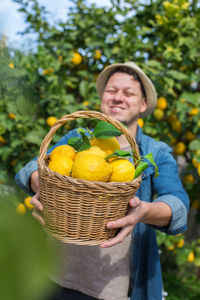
(144, 105)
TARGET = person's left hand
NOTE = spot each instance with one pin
(126, 223)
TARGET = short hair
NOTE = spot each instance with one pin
(128, 71)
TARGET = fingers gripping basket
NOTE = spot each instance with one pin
(76, 210)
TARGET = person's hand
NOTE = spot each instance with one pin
(126, 223)
(35, 200)
(156, 213)
(38, 208)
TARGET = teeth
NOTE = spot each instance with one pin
(116, 109)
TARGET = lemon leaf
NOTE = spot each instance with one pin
(140, 168)
(85, 142)
(75, 142)
(149, 157)
(105, 130)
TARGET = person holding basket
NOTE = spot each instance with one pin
(128, 265)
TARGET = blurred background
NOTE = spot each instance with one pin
(50, 56)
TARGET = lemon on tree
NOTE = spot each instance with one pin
(140, 122)
(189, 136)
(51, 120)
(63, 150)
(122, 170)
(161, 103)
(188, 178)
(180, 148)
(158, 114)
(193, 112)
(61, 164)
(97, 54)
(76, 58)
(91, 167)
(176, 125)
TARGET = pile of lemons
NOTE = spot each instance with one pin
(91, 164)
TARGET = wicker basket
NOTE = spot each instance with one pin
(76, 210)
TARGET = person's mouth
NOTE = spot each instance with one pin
(117, 108)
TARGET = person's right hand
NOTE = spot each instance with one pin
(35, 200)
(38, 208)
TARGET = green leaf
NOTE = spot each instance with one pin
(140, 168)
(149, 157)
(83, 88)
(85, 144)
(33, 137)
(194, 145)
(119, 153)
(105, 130)
(75, 142)
(177, 75)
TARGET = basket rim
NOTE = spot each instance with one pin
(76, 181)
(87, 114)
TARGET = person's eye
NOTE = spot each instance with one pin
(110, 91)
(128, 94)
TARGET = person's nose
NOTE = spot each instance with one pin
(118, 97)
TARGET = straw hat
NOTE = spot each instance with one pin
(150, 91)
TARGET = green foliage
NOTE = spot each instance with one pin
(162, 37)
(25, 259)
(180, 274)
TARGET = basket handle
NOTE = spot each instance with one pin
(86, 114)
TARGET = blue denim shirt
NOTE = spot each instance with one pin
(146, 278)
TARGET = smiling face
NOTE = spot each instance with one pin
(122, 99)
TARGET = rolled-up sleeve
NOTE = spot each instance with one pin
(169, 189)
(22, 178)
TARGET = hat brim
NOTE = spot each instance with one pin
(150, 91)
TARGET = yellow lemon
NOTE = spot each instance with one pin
(27, 203)
(51, 120)
(122, 170)
(92, 150)
(2, 140)
(158, 114)
(97, 54)
(77, 58)
(91, 167)
(11, 65)
(171, 248)
(195, 163)
(193, 112)
(180, 148)
(198, 170)
(189, 136)
(61, 164)
(176, 125)
(189, 178)
(11, 116)
(64, 150)
(21, 209)
(172, 118)
(196, 204)
(108, 145)
(172, 138)
(140, 122)
(180, 244)
(161, 103)
(190, 256)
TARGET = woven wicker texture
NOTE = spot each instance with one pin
(75, 210)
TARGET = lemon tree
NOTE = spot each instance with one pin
(163, 38)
